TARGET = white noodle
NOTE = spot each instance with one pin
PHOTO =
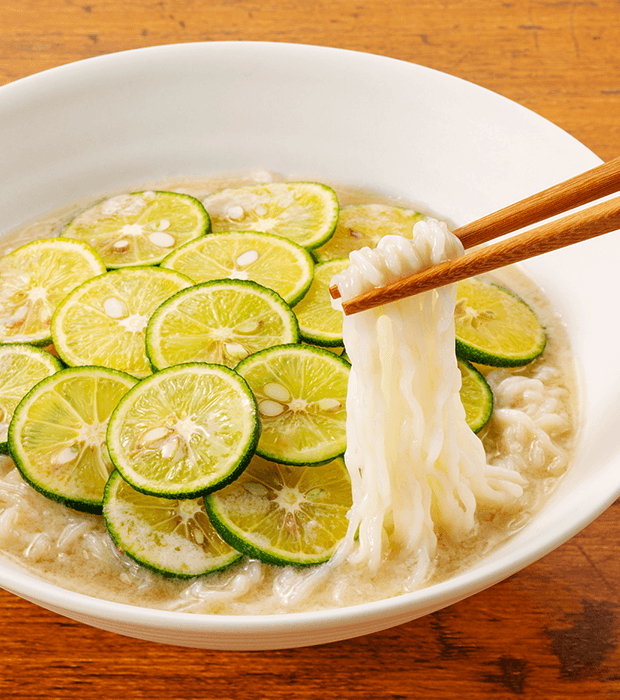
(416, 467)
(212, 591)
(422, 468)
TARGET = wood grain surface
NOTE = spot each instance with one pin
(551, 631)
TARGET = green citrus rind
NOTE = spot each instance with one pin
(63, 417)
(140, 228)
(207, 428)
(269, 260)
(304, 212)
(284, 515)
(171, 537)
(34, 279)
(221, 322)
(312, 385)
(476, 396)
(494, 326)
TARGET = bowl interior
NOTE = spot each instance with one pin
(198, 109)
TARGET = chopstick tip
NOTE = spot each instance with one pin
(334, 292)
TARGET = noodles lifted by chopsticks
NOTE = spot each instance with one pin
(416, 467)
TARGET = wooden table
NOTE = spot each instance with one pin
(550, 631)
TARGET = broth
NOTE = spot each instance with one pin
(74, 550)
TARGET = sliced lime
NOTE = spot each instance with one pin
(304, 212)
(172, 537)
(57, 435)
(319, 322)
(103, 322)
(34, 279)
(274, 262)
(476, 396)
(140, 228)
(364, 225)
(336, 350)
(222, 321)
(21, 367)
(184, 431)
(494, 326)
(284, 515)
(301, 394)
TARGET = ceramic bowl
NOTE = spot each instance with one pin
(198, 109)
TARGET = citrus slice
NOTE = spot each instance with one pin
(364, 225)
(476, 396)
(319, 322)
(140, 228)
(184, 431)
(284, 515)
(301, 393)
(304, 212)
(274, 262)
(103, 322)
(172, 537)
(57, 435)
(494, 326)
(34, 279)
(222, 321)
(21, 367)
(336, 350)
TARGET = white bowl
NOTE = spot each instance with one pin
(196, 109)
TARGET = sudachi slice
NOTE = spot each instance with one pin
(171, 536)
(140, 228)
(284, 515)
(222, 321)
(303, 212)
(272, 261)
(184, 431)
(494, 326)
(21, 368)
(476, 396)
(103, 322)
(301, 394)
(364, 225)
(34, 279)
(319, 323)
(58, 434)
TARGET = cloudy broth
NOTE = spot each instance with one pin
(74, 550)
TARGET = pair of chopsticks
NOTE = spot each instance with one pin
(579, 226)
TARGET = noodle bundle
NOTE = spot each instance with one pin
(416, 467)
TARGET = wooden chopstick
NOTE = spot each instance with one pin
(589, 223)
(581, 189)
(579, 226)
